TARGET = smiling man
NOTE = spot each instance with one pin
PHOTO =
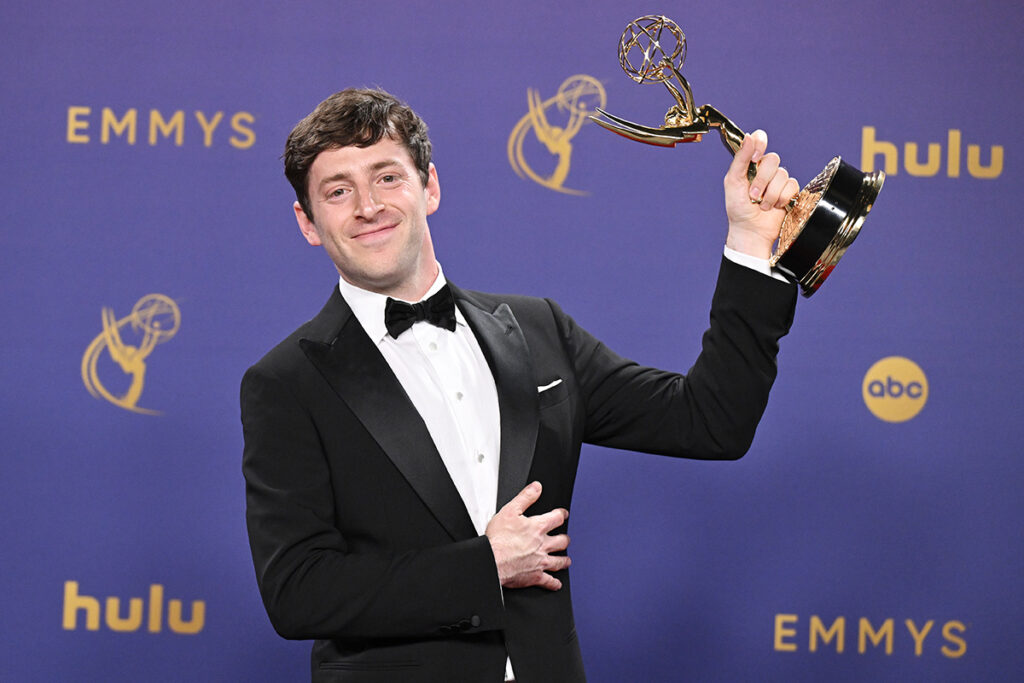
(371, 217)
(410, 452)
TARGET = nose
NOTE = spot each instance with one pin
(367, 204)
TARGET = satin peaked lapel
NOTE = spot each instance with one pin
(506, 351)
(362, 378)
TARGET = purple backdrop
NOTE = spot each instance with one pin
(844, 547)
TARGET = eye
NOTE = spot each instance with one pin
(389, 178)
(337, 193)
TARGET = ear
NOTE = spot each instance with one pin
(433, 190)
(306, 226)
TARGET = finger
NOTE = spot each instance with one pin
(766, 169)
(791, 190)
(551, 520)
(555, 543)
(556, 563)
(524, 499)
(773, 192)
(549, 582)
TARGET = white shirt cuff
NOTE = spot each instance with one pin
(754, 263)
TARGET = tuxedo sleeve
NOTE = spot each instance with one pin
(712, 411)
(313, 584)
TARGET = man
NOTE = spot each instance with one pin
(409, 469)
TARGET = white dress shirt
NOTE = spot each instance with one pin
(449, 382)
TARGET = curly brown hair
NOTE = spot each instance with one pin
(358, 117)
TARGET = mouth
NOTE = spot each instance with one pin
(374, 233)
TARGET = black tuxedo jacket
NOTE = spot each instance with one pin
(359, 537)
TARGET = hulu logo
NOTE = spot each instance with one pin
(131, 619)
(931, 164)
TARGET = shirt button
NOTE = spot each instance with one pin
(432, 346)
(479, 457)
(458, 395)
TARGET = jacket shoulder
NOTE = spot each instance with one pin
(323, 327)
(520, 304)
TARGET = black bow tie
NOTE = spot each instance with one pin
(438, 310)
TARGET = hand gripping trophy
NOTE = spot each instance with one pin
(821, 222)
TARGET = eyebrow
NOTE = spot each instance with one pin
(345, 175)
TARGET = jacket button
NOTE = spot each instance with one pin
(475, 621)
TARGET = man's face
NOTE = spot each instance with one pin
(370, 213)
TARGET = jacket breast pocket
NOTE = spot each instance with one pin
(553, 395)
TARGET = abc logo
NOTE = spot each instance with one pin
(895, 389)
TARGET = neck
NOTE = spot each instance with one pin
(416, 290)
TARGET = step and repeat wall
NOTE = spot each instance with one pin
(150, 255)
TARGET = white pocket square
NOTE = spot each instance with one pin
(544, 388)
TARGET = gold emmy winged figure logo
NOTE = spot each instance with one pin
(154, 319)
(555, 122)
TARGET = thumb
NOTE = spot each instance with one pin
(750, 152)
(737, 172)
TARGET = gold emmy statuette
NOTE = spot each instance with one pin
(821, 221)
